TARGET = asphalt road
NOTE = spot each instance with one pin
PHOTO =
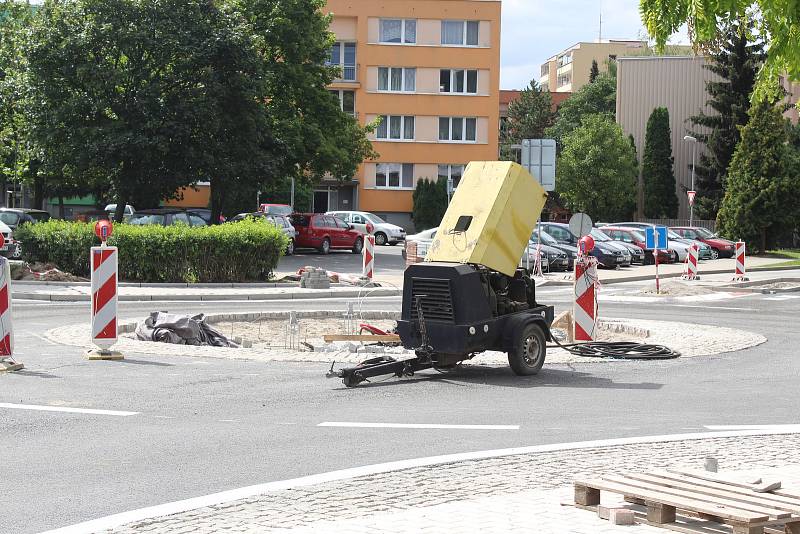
(206, 425)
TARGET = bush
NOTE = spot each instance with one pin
(233, 252)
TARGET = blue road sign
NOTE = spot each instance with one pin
(655, 237)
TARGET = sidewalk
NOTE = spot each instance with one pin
(529, 492)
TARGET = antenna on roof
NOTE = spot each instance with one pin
(600, 32)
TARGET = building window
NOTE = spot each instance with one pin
(565, 59)
(343, 55)
(458, 81)
(394, 175)
(398, 31)
(564, 79)
(454, 172)
(460, 32)
(546, 69)
(347, 100)
(396, 128)
(397, 79)
(462, 129)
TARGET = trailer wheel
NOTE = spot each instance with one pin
(527, 356)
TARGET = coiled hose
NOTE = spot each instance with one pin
(621, 350)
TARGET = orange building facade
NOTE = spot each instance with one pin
(430, 71)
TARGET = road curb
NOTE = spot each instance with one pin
(124, 518)
(308, 294)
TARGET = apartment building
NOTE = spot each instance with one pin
(430, 71)
(569, 70)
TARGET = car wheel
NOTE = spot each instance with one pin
(358, 246)
(290, 248)
(714, 254)
(325, 248)
(17, 254)
(527, 356)
(380, 238)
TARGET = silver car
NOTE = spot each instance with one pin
(385, 233)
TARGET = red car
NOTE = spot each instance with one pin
(636, 237)
(720, 248)
(326, 233)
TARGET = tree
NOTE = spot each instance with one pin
(594, 72)
(528, 117)
(430, 203)
(597, 170)
(736, 61)
(760, 203)
(597, 97)
(778, 20)
(660, 200)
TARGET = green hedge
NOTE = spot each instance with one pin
(233, 252)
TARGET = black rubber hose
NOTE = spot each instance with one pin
(622, 350)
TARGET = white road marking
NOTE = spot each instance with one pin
(713, 307)
(116, 520)
(418, 425)
(41, 408)
(787, 428)
(783, 297)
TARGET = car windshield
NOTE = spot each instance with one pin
(547, 239)
(638, 236)
(146, 218)
(673, 235)
(9, 217)
(278, 210)
(374, 219)
(299, 220)
(705, 233)
(598, 235)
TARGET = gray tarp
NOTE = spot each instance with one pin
(181, 330)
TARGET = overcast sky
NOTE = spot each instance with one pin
(534, 30)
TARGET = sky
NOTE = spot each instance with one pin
(534, 30)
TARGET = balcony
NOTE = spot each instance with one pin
(345, 73)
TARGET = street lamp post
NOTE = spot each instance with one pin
(693, 140)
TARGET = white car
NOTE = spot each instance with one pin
(112, 208)
(423, 241)
(385, 233)
(10, 248)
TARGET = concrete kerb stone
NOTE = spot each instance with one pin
(751, 286)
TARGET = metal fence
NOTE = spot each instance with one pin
(711, 225)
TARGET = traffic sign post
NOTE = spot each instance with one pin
(655, 238)
(691, 195)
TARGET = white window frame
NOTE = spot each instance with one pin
(463, 130)
(453, 81)
(403, 79)
(464, 32)
(341, 45)
(340, 93)
(403, 41)
(386, 119)
(449, 173)
(388, 168)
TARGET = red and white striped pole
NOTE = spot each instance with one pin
(7, 362)
(104, 261)
(369, 257)
(740, 275)
(690, 273)
(584, 309)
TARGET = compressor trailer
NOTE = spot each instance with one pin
(451, 312)
(469, 296)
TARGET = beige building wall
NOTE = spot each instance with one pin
(676, 83)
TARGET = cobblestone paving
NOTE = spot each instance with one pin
(504, 494)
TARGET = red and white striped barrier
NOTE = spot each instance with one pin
(104, 296)
(584, 309)
(7, 362)
(740, 275)
(690, 272)
(369, 256)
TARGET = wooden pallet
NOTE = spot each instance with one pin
(713, 499)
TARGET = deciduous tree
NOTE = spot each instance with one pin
(597, 97)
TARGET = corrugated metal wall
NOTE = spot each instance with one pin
(676, 83)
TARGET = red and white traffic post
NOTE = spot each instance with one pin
(369, 257)
(584, 309)
(740, 274)
(7, 362)
(104, 261)
(690, 271)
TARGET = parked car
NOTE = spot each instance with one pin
(720, 247)
(636, 236)
(167, 217)
(607, 254)
(553, 259)
(368, 223)
(636, 253)
(276, 209)
(13, 217)
(677, 243)
(112, 208)
(11, 248)
(281, 222)
(570, 251)
(326, 233)
(422, 239)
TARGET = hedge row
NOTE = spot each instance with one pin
(234, 252)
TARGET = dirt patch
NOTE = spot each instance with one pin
(778, 285)
(272, 333)
(46, 272)
(678, 288)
